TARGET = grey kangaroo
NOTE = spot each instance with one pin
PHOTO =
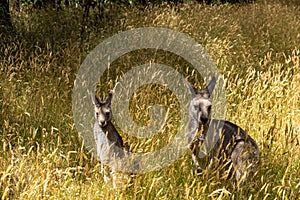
(238, 151)
(109, 143)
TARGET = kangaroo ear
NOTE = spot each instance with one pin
(95, 100)
(192, 89)
(109, 97)
(209, 88)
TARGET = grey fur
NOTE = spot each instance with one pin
(109, 143)
(233, 147)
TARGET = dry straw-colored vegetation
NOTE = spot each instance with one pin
(255, 46)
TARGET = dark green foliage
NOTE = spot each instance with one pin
(225, 1)
(4, 13)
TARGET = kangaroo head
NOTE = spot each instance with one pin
(102, 109)
(200, 106)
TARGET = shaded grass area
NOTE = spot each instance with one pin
(255, 46)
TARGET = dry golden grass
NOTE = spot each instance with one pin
(256, 48)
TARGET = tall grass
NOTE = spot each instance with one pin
(256, 48)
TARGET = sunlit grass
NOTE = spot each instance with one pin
(256, 48)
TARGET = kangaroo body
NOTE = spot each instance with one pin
(109, 143)
(231, 146)
(213, 139)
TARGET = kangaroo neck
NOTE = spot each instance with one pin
(107, 128)
(205, 126)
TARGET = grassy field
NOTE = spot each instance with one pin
(255, 46)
